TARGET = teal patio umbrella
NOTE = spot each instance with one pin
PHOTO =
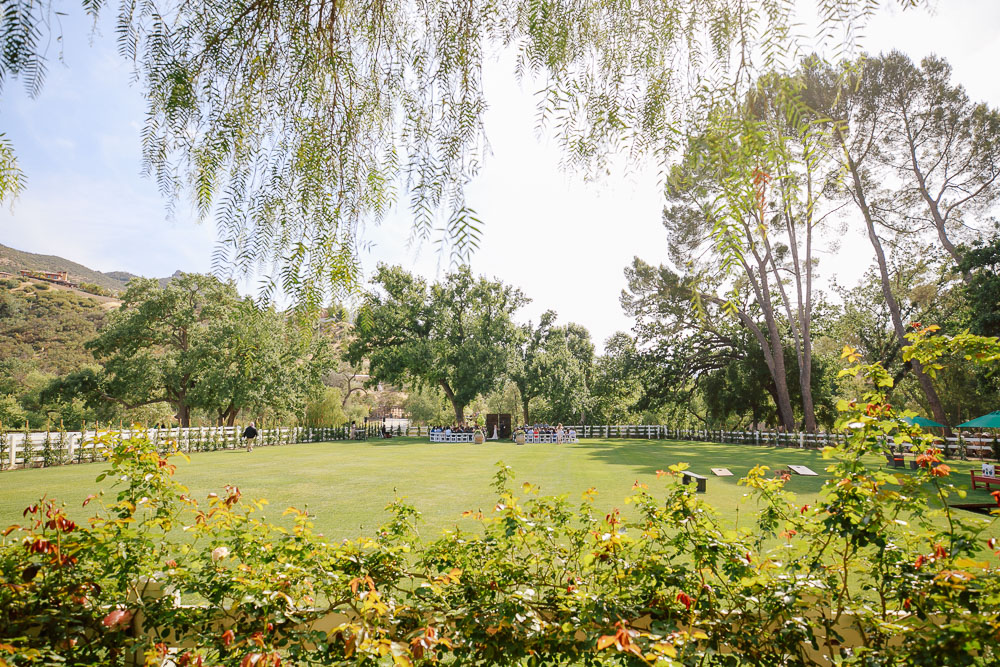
(992, 420)
(922, 421)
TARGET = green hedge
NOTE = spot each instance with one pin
(874, 573)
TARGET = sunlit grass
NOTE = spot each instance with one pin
(348, 484)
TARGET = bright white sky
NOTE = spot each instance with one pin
(563, 241)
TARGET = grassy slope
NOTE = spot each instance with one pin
(48, 327)
(13, 260)
(347, 485)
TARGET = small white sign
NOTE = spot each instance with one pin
(989, 470)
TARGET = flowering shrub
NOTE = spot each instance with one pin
(878, 571)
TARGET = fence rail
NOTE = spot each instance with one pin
(33, 449)
(955, 446)
(27, 449)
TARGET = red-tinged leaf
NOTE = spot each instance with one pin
(89, 498)
(605, 641)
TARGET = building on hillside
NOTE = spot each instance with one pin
(57, 277)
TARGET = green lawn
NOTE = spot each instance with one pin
(347, 484)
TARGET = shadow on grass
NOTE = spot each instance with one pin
(653, 455)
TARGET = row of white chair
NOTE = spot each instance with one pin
(530, 438)
(451, 437)
(548, 438)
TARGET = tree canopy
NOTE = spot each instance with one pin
(197, 343)
(555, 363)
(456, 334)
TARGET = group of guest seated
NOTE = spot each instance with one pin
(547, 433)
(448, 430)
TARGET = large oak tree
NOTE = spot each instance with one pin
(456, 334)
(195, 343)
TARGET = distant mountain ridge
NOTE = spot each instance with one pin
(13, 260)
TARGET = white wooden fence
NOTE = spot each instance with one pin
(21, 449)
(979, 447)
(33, 449)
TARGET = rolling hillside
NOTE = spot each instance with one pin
(12, 261)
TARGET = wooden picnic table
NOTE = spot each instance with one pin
(984, 480)
(700, 479)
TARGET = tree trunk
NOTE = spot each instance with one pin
(897, 321)
(798, 321)
(524, 409)
(780, 375)
(184, 414)
(770, 347)
(459, 409)
(228, 416)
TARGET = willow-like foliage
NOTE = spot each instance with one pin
(24, 27)
(292, 122)
(12, 179)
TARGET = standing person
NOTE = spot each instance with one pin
(249, 434)
(559, 434)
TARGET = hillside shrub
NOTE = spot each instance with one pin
(94, 288)
(533, 580)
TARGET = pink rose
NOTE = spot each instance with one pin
(116, 619)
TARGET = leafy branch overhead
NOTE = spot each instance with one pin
(293, 122)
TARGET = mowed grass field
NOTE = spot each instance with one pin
(347, 485)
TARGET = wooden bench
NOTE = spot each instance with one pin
(700, 479)
(985, 481)
(899, 461)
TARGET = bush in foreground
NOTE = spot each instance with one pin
(877, 572)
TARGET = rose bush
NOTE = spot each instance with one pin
(878, 571)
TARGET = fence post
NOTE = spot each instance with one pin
(802, 440)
